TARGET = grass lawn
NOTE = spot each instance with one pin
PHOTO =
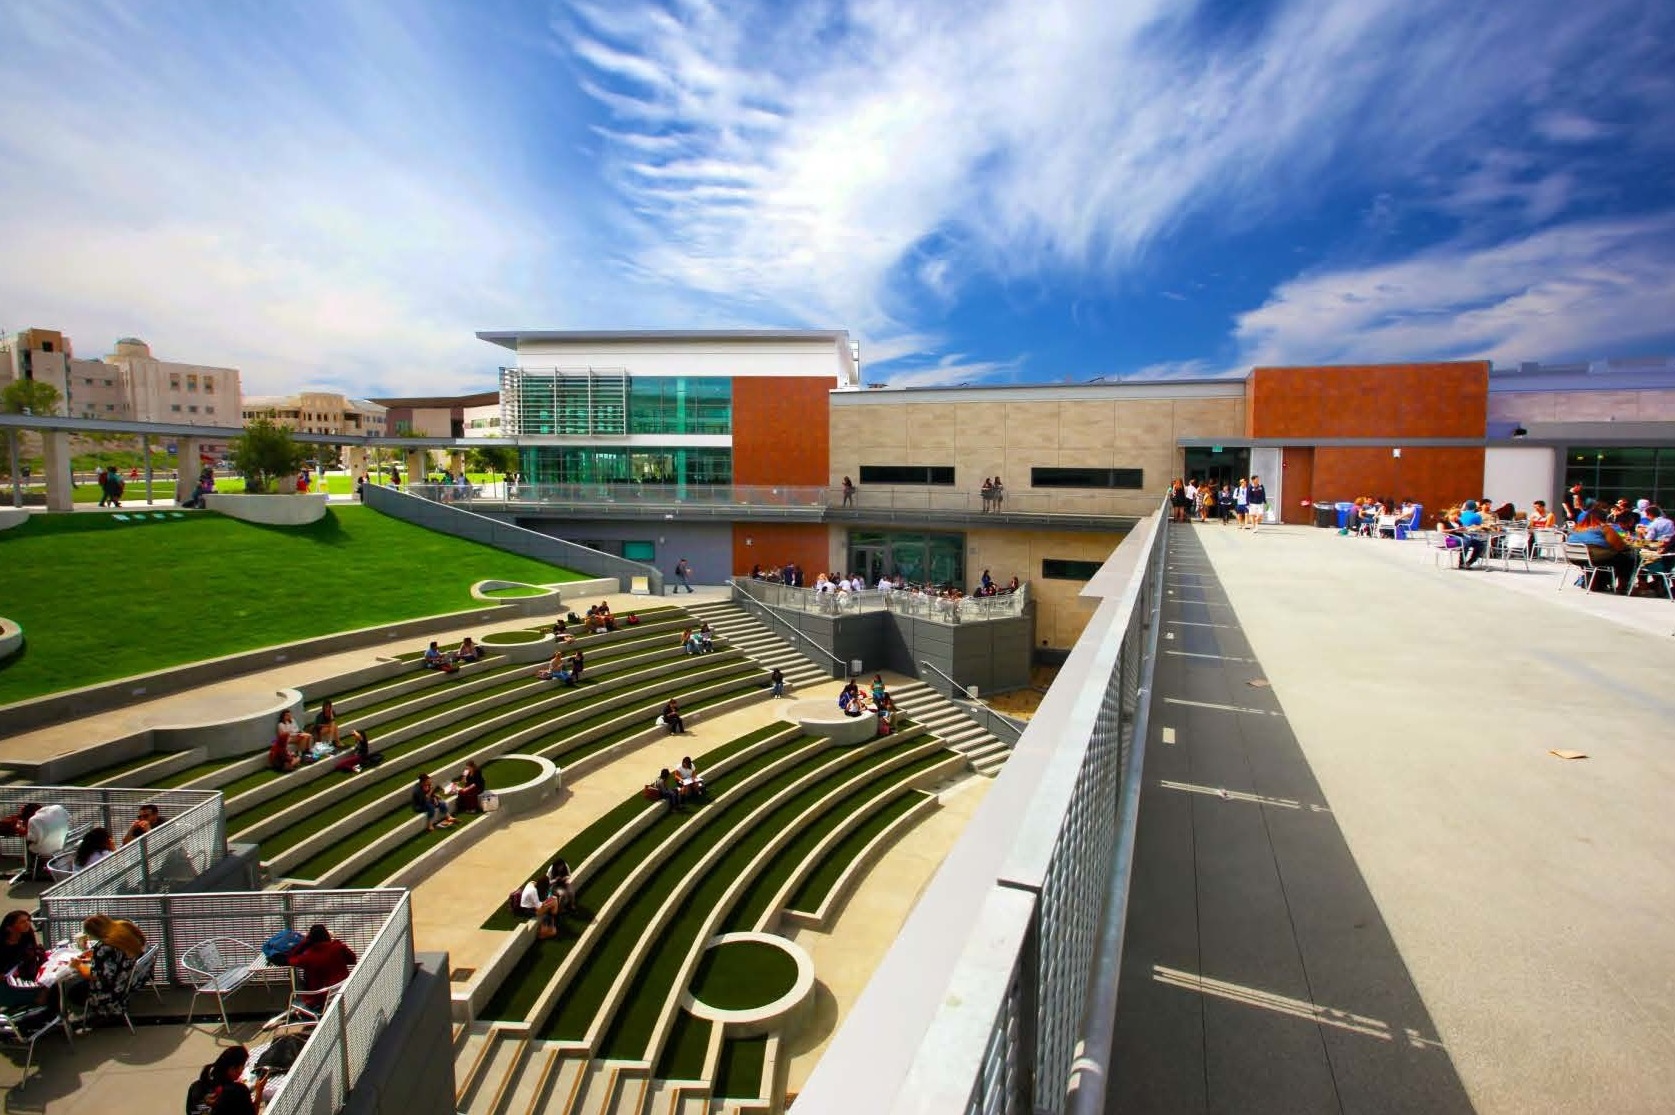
(202, 585)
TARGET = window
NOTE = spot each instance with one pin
(640, 551)
(209, 410)
(174, 407)
(110, 406)
(1059, 569)
(174, 381)
(191, 383)
(907, 474)
(1087, 478)
(88, 380)
(108, 383)
(209, 386)
(192, 409)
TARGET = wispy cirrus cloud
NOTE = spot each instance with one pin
(801, 162)
(1585, 286)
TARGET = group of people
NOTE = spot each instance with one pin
(470, 790)
(789, 574)
(546, 899)
(678, 785)
(1244, 503)
(698, 640)
(204, 487)
(993, 493)
(45, 831)
(855, 702)
(449, 661)
(599, 619)
(560, 668)
(1634, 540)
(111, 486)
(103, 967)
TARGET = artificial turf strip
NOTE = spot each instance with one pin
(289, 836)
(182, 777)
(743, 975)
(116, 769)
(576, 850)
(403, 854)
(683, 1054)
(819, 883)
(753, 903)
(518, 992)
(222, 609)
(738, 1074)
(336, 853)
(630, 1030)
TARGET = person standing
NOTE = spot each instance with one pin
(683, 574)
(848, 492)
(1256, 502)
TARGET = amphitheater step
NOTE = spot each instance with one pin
(469, 1059)
(758, 639)
(498, 1078)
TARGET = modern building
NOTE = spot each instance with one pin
(439, 416)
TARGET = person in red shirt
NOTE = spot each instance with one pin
(324, 962)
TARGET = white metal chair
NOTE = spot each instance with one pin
(1440, 548)
(62, 865)
(305, 1006)
(219, 967)
(1386, 525)
(25, 1027)
(1576, 557)
(1514, 542)
(1549, 544)
(143, 973)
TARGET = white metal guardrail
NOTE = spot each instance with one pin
(907, 602)
(988, 1000)
(191, 840)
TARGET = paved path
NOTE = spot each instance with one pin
(1398, 851)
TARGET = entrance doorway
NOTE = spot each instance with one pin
(1226, 466)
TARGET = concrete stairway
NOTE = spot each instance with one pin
(744, 632)
(947, 721)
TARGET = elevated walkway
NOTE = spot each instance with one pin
(1362, 882)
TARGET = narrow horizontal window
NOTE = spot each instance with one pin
(1087, 478)
(907, 474)
(1059, 569)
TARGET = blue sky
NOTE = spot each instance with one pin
(341, 193)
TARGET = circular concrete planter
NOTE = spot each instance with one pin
(12, 517)
(787, 1014)
(285, 510)
(519, 646)
(531, 600)
(820, 717)
(11, 638)
(530, 780)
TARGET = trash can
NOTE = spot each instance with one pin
(1325, 515)
(1344, 510)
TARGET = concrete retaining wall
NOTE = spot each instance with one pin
(12, 517)
(505, 536)
(287, 510)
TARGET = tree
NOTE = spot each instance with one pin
(492, 459)
(265, 453)
(25, 396)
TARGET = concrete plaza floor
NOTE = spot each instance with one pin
(1363, 883)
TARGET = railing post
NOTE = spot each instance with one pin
(343, 1049)
(145, 861)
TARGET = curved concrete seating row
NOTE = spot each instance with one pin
(632, 720)
(11, 637)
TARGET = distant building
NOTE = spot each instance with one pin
(318, 412)
(444, 415)
(128, 385)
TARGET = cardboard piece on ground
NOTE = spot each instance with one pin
(1560, 753)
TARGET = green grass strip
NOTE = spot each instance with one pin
(576, 850)
(738, 1075)
(403, 854)
(523, 985)
(684, 1052)
(631, 1028)
(341, 850)
(819, 882)
(753, 903)
(191, 773)
(116, 769)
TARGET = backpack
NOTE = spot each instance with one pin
(277, 947)
(514, 902)
(281, 1054)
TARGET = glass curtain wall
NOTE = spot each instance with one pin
(1622, 472)
(592, 403)
(934, 559)
(585, 465)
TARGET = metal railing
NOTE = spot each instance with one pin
(798, 500)
(110, 808)
(169, 857)
(1005, 728)
(755, 607)
(997, 994)
(906, 602)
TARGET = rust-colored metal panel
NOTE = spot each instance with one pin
(781, 430)
(1446, 399)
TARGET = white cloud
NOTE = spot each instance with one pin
(818, 153)
(1573, 290)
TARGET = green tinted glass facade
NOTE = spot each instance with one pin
(936, 559)
(565, 464)
(603, 403)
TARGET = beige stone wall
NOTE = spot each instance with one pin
(1582, 406)
(1009, 438)
(1060, 613)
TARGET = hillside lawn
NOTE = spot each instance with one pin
(101, 599)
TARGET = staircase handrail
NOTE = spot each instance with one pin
(749, 602)
(1004, 728)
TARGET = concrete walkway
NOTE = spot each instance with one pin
(1401, 883)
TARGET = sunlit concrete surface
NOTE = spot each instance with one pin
(1367, 884)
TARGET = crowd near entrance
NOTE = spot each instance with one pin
(1217, 466)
